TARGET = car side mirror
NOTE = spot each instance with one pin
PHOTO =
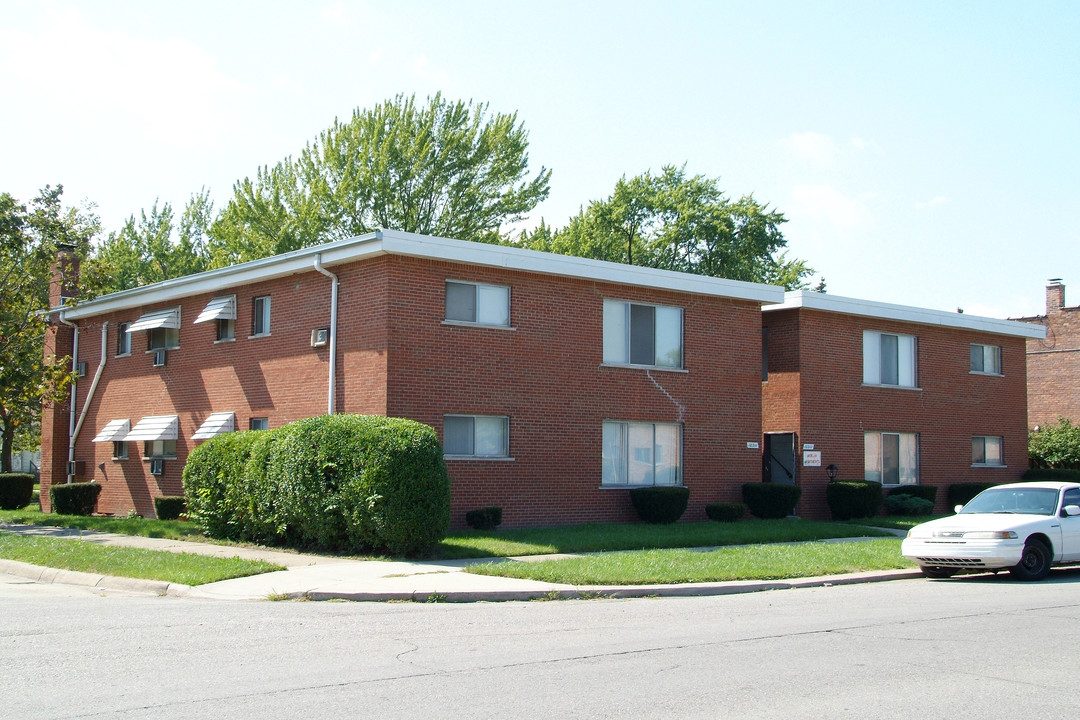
(1071, 510)
(957, 509)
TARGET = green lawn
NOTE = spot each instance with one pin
(90, 557)
(168, 529)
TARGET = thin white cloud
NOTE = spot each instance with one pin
(811, 146)
(825, 204)
(935, 201)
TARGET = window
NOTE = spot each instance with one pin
(986, 359)
(163, 338)
(260, 316)
(476, 435)
(888, 359)
(987, 450)
(119, 450)
(891, 458)
(159, 449)
(226, 330)
(259, 423)
(642, 334)
(123, 339)
(477, 303)
(642, 454)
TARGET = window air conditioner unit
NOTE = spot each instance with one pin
(159, 358)
(157, 467)
(80, 368)
(320, 337)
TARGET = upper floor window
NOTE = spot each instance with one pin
(123, 339)
(643, 334)
(477, 303)
(163, 338)
(222, 311)
(637, 453)
(986, 359)
(888, 359)
(226, 330)
(159, 449)
(476, 435)
(260, 316)
(891, 458)
(987, 450)
(162, 328)
(259, 423)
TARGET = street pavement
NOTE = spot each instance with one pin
(321, 577)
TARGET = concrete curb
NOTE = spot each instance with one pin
(43, 575)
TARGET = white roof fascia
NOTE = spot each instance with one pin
(904, 313)
(219, 308)
(164, 318)
(114, 431)
(155, 427)
(393, 242)
(217, 424)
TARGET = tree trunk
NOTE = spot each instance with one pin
(5, 447)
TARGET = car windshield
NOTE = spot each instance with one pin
(1028, 501)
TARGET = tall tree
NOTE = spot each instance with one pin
(445, 168)
(678, 222)
(29, 239)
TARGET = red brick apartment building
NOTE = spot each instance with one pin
(890, 393)
(1054, 361)
(554, 382)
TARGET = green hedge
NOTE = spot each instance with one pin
(16, 490)
(926, 492)
(961, 493)
(725, 511)
(660, 505)
(849, 499)
(771, 500)
(487, 518)
(169, 507)
(215, 488)
(75, 498)
(1063, 474)
(908, 504)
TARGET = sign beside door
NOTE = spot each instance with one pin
(811, 458)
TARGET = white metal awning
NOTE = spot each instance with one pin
(216, 424)
(168, 318)
(219, 308)
(114, 431)
(155, 427)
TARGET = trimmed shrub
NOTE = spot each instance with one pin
(908, 504)
(215, 488)
(1063, 474)
(725, 511)
(169, 507)
(771, 500)
(849, 499)
(926, 492)
(487, 518)
(961, 493)
(1055, 446)
(74, 498)
(660, 505)
(16, 490)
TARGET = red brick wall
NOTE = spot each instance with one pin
(949, 406)
(1054, 368)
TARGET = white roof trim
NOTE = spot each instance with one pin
(155, 427)
(904, 313)
(168, 318)
(219, 308)
(216, 424)
(114, 431)
(391, 242)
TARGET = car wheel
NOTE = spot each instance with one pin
(939, 572)
(1034, 563)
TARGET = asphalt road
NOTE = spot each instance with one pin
(963, 648)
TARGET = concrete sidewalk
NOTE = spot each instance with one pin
(320, 577)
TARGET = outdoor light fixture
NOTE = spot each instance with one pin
(833, 471)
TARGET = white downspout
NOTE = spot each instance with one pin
(93, 385)
(74, 395)
(333, 331)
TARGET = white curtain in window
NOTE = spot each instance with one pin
(669, 336)
(614, 454)
(615, 332)
(666, 455)
(490, 436)
(493, 305)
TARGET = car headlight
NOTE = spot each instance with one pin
(916, 533)
(990, 535)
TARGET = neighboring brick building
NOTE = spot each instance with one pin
(1054, 361)
(890, 393)
(554, 382)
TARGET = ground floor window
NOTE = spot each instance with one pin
(637, 453)
(476, 435)
(986, 450)
(891, 458)
(259, 423)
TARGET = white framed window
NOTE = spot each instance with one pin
(119, 450)
(159, 450)
(259, 423)
(889, 359)
(987, 450)
(639, 453)
(891, 458)
(649, 335)
(123, 339)
(486, 436)
(226, 330)
(162, 328)
(478, 303)
(260, 316)
(986, 359)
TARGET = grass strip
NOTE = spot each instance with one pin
(754, 562)
(141, 527)
(86, 556)
(612, 537)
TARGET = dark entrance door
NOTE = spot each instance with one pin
(778, 463)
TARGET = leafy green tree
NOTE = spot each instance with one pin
(29, 239)
(444, 168)
(677, 222)
(1055, 446)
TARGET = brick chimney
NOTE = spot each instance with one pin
(64, 282)
(1055, 295)
(59, 343)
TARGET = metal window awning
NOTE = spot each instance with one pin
(216, 424)
(219, 308)
(114, 431)
(169, 318)
(155, 427)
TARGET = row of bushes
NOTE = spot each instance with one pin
(348, 483)
(16, 490)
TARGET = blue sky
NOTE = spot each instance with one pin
(925, 153)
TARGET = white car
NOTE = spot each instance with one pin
(1022, 527)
